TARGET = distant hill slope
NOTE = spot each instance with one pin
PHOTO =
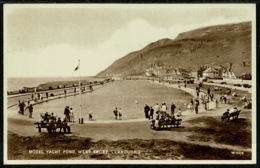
(214, 45)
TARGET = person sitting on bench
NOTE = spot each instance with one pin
(156, 124)
(225, 114)
(42, 123)
(59, 123)
(66, 128)
(51, 126)
(178, 117)
(233, 110)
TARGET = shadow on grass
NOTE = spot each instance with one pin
(233, 132)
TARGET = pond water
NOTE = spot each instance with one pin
(130, 96)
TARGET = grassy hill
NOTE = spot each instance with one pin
(214, 45)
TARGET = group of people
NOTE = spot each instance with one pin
(193, 105)
(22, 107)
(161, 115)
(52, 122)
(159, 110)
(69, 116)
(118, 113)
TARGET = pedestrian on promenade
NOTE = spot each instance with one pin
(197, 106)
(206, 106)
(208, 91)
(30, 110)
(65, 92)
(28, 101)
(216, 101)
(225, 98)
(172, 109)
(47, 95)
(19, 107)
(38, 96)
(190, 107)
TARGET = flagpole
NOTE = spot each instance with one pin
(80, 114)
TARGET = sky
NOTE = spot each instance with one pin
(48, 40)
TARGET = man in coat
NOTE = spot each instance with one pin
(146, 111)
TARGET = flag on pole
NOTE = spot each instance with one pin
(77, 67)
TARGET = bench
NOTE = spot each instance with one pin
(51, 127)
(228, 116)
(165, 124)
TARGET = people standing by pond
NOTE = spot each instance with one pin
(146, 111)
(164, 109)
(120, 114)
(151, 113)
(172, 109)
(115, 113)
(30, 110)
(67, 113)
(72, 119)
(90, 116)
(22, 106)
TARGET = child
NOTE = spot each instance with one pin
(179, 112)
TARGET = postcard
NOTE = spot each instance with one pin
(129, 83)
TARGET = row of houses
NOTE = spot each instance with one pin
(235, 71)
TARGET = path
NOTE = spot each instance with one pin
(129, 129)
(57, 96)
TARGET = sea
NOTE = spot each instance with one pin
(14, 84)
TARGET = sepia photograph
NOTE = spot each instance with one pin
(129, 83)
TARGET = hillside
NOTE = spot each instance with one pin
(214, 45)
